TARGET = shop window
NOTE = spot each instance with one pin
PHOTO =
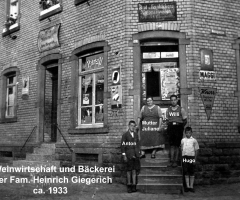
(8, 101)
(91, 90)
(49, 8)
(12, 17)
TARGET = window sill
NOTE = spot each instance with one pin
(8, 120)
(77, 131)
(12, 29)
(77, 2)
(50, 11)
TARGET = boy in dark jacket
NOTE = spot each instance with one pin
(131, 155)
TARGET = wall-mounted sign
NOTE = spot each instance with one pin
(151, 55)
(116, 75)
(170, 83)
(206, 59)
(25, 87)
(116, 96)
(208, 95)
(157, 12)
(169, 54)
(207, 75)
(48, 38)
(218, 32)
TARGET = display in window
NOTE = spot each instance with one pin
(45, 4)
(86, 115)
(87, 90)
(85, 99)
(116, 96)
(170, 83)
(144, 93)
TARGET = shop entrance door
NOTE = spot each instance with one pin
(160, 72)
(50, 111)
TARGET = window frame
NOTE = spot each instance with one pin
(15, 27)
(14, 87)
(3, 107)
(93, 72)
(53, 10)
(81, 51)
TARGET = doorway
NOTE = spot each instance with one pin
(160, 72)
(50, 105)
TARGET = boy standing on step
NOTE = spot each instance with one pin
(189, 147)
(131, 155)
(176, 118)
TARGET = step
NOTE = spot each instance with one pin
(160, 188)
(39, 157)
(160, 170)
(48, 145)
(154, 162)
(26, 163)
(160, 178)
(45, 151)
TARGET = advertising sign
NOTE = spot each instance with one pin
(206, 59)
(116, 96)
(157, 12)
(208, 95)
(48, 38)
(170, 83)
(116, 75)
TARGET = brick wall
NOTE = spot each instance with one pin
(118, 20)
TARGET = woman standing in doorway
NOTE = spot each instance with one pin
(151, 136)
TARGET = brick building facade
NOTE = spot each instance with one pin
(96, 38)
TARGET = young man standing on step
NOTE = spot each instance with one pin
(131, 155)
(176, 119)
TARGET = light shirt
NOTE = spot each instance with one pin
(131, 134)
(189, 146)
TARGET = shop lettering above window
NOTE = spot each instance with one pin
(157, 12)
(93, 62)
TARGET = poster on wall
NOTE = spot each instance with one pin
(170, 83)
(206, 59)
(208, 95)
(116, 96)
(25, 86)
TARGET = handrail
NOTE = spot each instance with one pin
(63, 137)
(34, 128)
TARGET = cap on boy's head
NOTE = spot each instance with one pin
(173, 95)
(188, 128)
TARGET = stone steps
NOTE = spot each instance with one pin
(42, 156)
(154, 188)
(156, 177)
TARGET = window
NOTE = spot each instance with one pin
(8, 99)
(91, 90)
(49, 8)
(12, 17)
(11, 95)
